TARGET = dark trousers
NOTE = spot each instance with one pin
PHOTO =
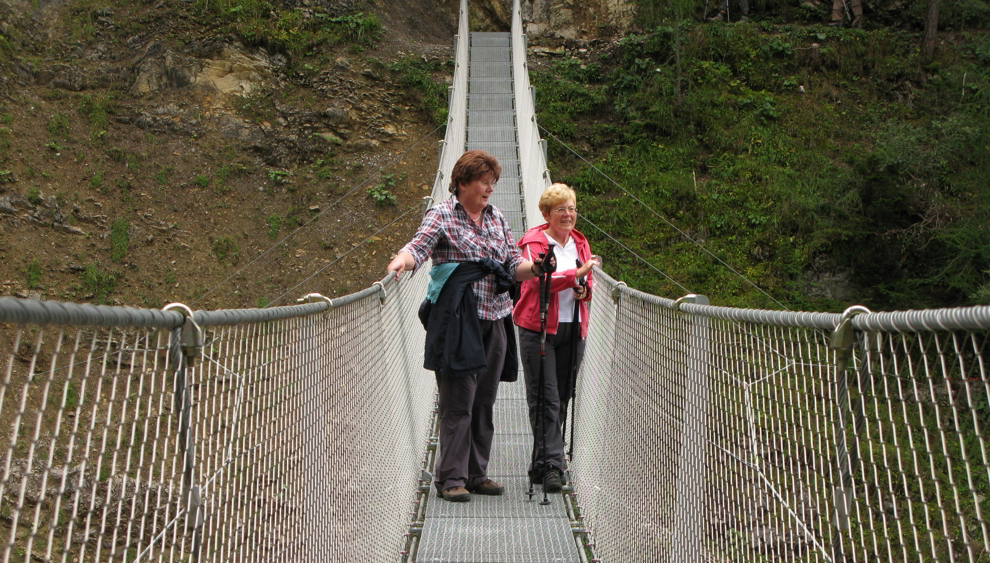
(556, 390)
(466, 416)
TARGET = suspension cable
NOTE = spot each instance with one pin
(584, 218)
(664, 219)
(360, 185)
(339, 258)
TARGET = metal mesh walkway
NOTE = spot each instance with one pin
(511, 528)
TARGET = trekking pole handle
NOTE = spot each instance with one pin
(547, 262)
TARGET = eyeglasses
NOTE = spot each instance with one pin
(562, 210)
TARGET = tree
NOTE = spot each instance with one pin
(931, 31)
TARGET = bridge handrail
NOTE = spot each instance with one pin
(452, 147)
(532, 159)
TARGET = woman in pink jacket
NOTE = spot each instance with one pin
(571, 290)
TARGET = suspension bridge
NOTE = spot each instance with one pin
(308, 432)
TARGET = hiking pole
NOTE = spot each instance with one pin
(575, 341)
(547, 266)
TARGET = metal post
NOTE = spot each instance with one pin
(843, 339)
(186, 343)
(690, 508)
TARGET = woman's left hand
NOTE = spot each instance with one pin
(580, 292)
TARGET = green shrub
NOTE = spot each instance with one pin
(202, 180)
(278, 177)
(382, 193)
(417, 76)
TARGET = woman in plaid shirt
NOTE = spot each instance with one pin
(465, 228)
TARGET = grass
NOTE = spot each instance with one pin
(33, 196)
(58, 126)
(120, 239)
(33, 274)
(262, 23)
(274, 223)
(99, 283)
(225, 248)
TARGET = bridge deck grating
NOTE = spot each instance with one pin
(509, 528)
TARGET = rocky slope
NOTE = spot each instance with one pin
(147, 157)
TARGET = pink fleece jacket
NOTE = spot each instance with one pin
(526, 313)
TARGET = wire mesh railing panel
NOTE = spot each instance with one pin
(916, 479)
(93, 465)
(248, 444)
(621, 401)
(768, 462)
(775, 436)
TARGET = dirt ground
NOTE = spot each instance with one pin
(211, 219)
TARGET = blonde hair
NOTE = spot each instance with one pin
(555, 194)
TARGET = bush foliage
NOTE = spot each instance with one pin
(800, 166)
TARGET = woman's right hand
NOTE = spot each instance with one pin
(587, 266)
(403, 261)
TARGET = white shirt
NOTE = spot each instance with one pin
(567, 257)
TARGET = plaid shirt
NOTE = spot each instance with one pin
(447, 234)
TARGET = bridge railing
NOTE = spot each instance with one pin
(717, 434)
(532, 156)
(455, 138)
(286, 434)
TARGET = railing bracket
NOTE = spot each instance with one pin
(192, 338)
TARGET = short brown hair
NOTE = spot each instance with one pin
(471, 166)
(556, 194)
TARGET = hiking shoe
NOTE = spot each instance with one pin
(837, 23)
(717, 18)
(456, 494)
(857, 22)
(744, 18)
(487, 487)
(552, 482)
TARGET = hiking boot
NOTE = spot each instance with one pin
(487, 487)
(718, 17)
(744, 18)
(857, 22)
(835, 23)
(456, 494)
(552, 482)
